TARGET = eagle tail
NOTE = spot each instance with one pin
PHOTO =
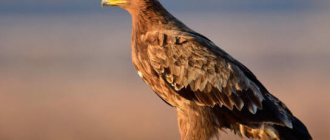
(298, 132)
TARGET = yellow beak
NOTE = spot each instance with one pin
(112, 2)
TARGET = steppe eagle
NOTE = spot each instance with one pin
(210, 90)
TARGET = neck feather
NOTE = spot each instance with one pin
(152, 16)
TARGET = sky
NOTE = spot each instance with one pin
(68, 6)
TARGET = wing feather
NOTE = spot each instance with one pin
(187, 61)
(204, 74)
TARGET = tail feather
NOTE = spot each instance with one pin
(298, 132)
(274, 132)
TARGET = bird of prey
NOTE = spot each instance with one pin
(209, 89)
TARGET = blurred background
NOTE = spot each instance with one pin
(66, 73)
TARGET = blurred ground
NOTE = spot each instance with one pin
(69, 76)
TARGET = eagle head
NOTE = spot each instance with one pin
(115, 2)
(130, 5)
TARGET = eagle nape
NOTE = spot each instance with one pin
(209, 89)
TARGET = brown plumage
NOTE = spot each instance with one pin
(210, 90)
